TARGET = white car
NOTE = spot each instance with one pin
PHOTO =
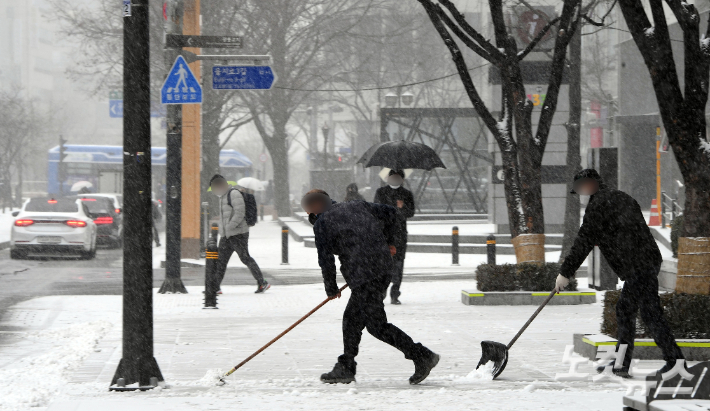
(53, 227)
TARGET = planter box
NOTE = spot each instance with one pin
(644, 349)
(526, 297)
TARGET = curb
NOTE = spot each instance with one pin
(4, 245)
(586, 345)
(526, 298)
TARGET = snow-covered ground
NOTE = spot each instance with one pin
(66, 357)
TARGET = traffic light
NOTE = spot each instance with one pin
(62, 170)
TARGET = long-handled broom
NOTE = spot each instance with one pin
(236, 367)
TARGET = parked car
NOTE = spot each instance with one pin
(47, 227)
(108, 222)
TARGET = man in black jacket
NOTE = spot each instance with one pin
(361, 234)
(393, 194)
(613, 221)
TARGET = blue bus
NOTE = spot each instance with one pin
(102, 166)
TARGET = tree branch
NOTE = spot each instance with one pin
(538, 38)
(493, 52)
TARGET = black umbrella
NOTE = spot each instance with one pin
(401, 154)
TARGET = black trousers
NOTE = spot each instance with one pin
(641, 292)
(240, 244)
(366, 309)
(398, 271)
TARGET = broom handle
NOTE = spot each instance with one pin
(282, 334)
(544, 303)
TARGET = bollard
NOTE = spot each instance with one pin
(663, 209)
(211, 256)
(491, 249)
(284, 245)
(455, 246)
(261, 212)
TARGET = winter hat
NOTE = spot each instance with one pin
(216, 177)
(393, 172)
(588, 173)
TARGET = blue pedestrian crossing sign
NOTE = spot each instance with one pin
(181, 86)
(242, 78)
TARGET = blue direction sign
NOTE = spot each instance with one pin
(181, 86)
(242, 78)
(115, 108)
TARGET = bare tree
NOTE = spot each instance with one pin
(22, 126)
(521, 148)
(682, 109)
(296, 35)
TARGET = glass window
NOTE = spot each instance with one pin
(48, 205)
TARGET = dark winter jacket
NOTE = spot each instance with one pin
(613, 221)
(359, 233)
(351, 193)
(389, 196)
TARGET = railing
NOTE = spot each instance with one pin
(675, 208)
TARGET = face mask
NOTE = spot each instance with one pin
(395, 187)
(394, 181)
(219, 191)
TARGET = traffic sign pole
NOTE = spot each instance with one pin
(173, 169)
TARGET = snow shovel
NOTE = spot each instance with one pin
(230, 372)
(497, 352)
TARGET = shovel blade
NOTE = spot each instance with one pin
(496, 353)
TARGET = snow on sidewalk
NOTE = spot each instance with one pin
(81, 352)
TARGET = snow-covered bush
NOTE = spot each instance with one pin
(519, 277)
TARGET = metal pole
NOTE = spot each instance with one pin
(211, 257)
(284, 245)
(663, 209)
(658, 165)
(173, 175)
(455, 246)
(137, 369)
(205, 226)
(491, 249)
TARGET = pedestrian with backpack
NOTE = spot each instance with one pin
(237, 212)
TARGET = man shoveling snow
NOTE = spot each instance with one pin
(354, 232)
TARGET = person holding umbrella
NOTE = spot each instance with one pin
(362, 235)
(393, 194)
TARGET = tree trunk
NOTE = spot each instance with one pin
(574, 159)
(279, 160)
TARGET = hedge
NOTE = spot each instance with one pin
(519, 277)
(688, 315)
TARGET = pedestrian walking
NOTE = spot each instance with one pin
(237, 212)
(613, 221)
(393, 194)
(362, 235)
(351, 193)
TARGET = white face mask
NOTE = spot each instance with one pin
(395, 187)
(394, 181)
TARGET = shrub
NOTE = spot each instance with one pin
(519, 277)
(688, 315)
(496, 277)
(676, 228)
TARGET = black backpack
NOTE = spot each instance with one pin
(251, 214)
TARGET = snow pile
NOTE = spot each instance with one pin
(483, 373)
(33, 381)
(210, 378)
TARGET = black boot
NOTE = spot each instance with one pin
(341, 374)
(395, 301)
(622, 372)
(423, 365)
